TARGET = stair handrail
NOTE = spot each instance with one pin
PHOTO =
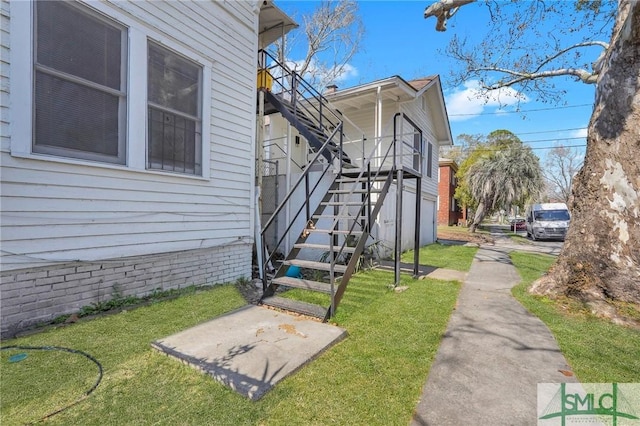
(367, 167)
(296, 82)
(415, 151)
(319, 103)
(303, 178)
(367, 199)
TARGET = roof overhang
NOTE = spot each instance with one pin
(273, 24)
(398, 89)
(394, 88)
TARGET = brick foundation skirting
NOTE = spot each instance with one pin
(36, 295)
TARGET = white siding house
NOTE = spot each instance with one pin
(127, 150)
(368, 111)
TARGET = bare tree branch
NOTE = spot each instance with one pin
(333, 33)
(506, 56)
(588, 77)
(443, 10)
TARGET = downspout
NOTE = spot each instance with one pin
(288, 171)
(378, 124)
(254, 210)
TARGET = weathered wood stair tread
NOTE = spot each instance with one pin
(324, 247)
(295, 306)
(303, 284)
(320, 266)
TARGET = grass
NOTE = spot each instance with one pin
(454, 257)
(519, 238)
(373, 377)
(597, 350)
(482, 229)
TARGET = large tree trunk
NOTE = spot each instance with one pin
(600, 260)
(478, 216)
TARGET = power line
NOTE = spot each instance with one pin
(497, 149)
(559, 146)
(554, 140)
(521, 111)
(551, 131)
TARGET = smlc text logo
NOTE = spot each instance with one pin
(616, 404)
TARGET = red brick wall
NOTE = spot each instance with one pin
(445, 192)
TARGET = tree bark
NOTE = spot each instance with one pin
(478, 216)
(600, 260)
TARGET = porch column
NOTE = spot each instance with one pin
(416, 241)
(398, 242)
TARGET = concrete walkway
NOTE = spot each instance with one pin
(493, 354)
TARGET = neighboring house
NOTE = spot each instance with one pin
(449, 212)
(368, 111)
(128, 139)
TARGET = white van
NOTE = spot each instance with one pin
(547, 221)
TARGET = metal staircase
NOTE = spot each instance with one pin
(333, 226)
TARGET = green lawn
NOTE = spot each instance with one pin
(597, 350)
(456, 257)
(373, 377)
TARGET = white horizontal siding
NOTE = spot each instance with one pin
(54, 211)
(4, 77)
(424, 120)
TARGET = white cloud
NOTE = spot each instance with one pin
(468, 102)
(580, 133)
(318, 73)
(348, 71)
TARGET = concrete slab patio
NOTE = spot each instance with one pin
(253, 348)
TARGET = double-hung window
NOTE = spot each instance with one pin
(174, 90)
(104, 87)
(80, 83)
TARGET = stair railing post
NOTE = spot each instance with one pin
(294, 91)
(320, 112)
(369, 197)
(395, 139)
(307, 197)
(265, 264)
(340, 153)
(332, 279)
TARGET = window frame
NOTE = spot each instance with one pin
(429, 158)
(198, 165)
(79, 81)
(23, 78)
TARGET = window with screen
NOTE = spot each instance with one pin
(80, 83)
(429, 159)
(174, 90)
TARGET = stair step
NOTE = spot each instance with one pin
(295, 306)
(362, 179)
(347, 164)
(335, 231)
(320, 266)
(324, 247)
(303, 284)
(342, 203)
(355, 191)
(339, 217)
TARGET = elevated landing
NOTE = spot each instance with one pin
(251, 349)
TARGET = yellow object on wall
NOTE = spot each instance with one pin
(265, 81)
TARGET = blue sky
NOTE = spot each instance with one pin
(399, 41)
